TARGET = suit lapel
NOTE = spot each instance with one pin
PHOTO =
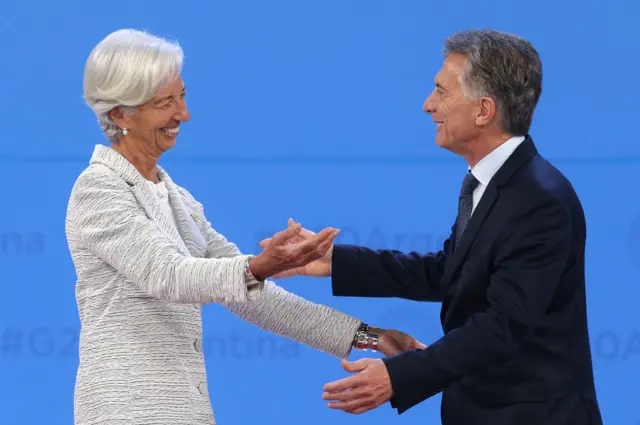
(141, 190)
(523, 154)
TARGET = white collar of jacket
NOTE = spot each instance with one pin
(188, 213)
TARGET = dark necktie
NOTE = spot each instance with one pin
(465, 205)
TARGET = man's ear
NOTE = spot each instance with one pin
(487, 112)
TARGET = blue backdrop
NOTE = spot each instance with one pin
(310, 110)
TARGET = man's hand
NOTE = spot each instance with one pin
(392, 342)
(320, 267)
(280, 255)
(368, 389)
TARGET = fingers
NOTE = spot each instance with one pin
(302, 252)
(356, 406)
(419, 345)
(345, 395)
(282, 236)
(343, 384)
(356, 366)
(299, 233)
(317, 245)
(324, 234)
(351, 381)
(390, 350)
(298, 271)
(326, 244)
(389, 347)
(303, 232)
(297, 228)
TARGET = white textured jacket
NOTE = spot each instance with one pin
(141, 282)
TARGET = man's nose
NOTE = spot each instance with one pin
(428, 106)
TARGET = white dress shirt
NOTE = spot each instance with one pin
(490, 164)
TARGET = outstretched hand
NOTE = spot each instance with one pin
(319, 267)
(370, 386)
(280, 254)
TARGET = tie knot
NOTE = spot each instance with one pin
(469, 184)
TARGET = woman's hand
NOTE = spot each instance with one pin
(291, 249)
(320, 267)
(392, 342)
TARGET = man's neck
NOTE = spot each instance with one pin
(144, 161)
(482, 147)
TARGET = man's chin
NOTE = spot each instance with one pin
(441, 142)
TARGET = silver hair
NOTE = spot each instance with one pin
(502, 66)
(125, 70)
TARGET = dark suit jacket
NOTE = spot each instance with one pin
(515, 349)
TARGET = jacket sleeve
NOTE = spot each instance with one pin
(532, 256)
(358, 271)
(105, 219)
(286, 314)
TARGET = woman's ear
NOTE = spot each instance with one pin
(118, 117)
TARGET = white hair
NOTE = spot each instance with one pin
(126, 69)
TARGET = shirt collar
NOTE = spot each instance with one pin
(490, 164)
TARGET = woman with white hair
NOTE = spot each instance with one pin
(147, 259)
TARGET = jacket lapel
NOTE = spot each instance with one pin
(141, 190)
(523, 154)
(188, 222)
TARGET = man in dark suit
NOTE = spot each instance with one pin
(511, 277)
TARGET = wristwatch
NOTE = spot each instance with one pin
(247, 271)
(364, 339)
(248, 274)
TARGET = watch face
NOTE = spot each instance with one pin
(361, 340)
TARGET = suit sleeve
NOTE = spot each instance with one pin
(358, 271)
(531, 258)
(106, 220)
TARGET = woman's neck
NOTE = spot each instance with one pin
(144, 161)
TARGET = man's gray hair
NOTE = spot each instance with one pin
(502, 66)
(126, 69)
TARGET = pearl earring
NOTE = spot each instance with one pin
(125, 131)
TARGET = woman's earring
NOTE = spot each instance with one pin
(125, 131)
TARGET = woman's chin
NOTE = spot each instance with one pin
(167, 141)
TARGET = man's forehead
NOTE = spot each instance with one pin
(451, 69)
(454, 63)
